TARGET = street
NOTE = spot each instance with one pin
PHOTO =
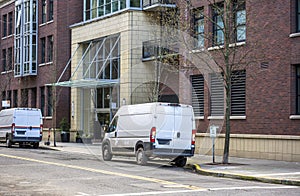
(28, 171)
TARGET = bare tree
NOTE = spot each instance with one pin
(223, 27)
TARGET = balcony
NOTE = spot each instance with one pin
(153, 50)
(155, 5)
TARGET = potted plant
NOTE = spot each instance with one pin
(65, 130)
(78, 136)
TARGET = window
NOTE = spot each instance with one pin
(44, 11)
(198, 94)
(298, 15)
(238, 93)
(42, 100)
(10, 23)
(50, 16)
(216, 95)
(15, 96)
(199, 28)
(218, 24)
(25, 38)
(4, 60)
(99, 8)
(298, 90)
(10, 58)
(4, 23)
(24, 100)
(49, 101)
(43, 50)
(33, 92)
(240, 20)
(135, 3)
(50, 49)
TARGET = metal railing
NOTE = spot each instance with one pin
(147, 3)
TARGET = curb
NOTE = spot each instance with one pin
(197, 168)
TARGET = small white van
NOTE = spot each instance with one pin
(21, 125)
(151, 130)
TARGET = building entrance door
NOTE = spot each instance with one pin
(104, 120)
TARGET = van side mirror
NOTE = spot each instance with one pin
(111, 128)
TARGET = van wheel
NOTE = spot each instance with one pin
(180, 161)
(106, 154)
(36, 145)
(141, 158)
(8, 143)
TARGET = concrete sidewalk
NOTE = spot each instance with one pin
(270, 171)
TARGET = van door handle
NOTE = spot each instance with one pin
(178, 134)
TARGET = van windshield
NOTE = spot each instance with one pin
(113, 125)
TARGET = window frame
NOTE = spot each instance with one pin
(43, 50)
(4, 63)
(44, 11)
(10, 23)
(216, 27)
(50, 48)
(198, 18)
(4, 25)
(297, 16)
(297, 75)
(51, 10)
(239, 6)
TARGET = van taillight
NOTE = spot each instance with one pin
(194, 131)
(152, 134)
(13, 128)
(41, 129)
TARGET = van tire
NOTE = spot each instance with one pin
(180, 161)
(141, 158)
(36, 145)
(8, 142)
(106, 154)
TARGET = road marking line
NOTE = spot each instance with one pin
(156, 192)
(159, 181)
(252, 187)
(278, 174)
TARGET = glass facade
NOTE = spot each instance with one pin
(99, 8)
(25, 38)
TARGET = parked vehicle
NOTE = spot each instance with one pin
(22, 126)
(151, 130)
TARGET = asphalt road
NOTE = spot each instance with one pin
(27, 171)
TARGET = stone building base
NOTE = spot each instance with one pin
(275, 147)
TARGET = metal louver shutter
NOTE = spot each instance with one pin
(216, 95)
(238, 93)
(198, 94)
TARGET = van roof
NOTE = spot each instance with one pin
(11, 110)
(145, 108)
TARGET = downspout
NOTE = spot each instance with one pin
(131, 35)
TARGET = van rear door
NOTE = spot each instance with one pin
(183, 126)
(174, 128)
(27, 124)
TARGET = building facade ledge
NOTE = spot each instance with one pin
(294, 35)
(295, 117)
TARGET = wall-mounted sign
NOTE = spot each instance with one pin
(6, 104)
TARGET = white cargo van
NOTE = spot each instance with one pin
(151, 130)
(21, 125)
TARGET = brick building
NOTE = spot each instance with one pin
(35, 47)
(115, 55)
(265, 95)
